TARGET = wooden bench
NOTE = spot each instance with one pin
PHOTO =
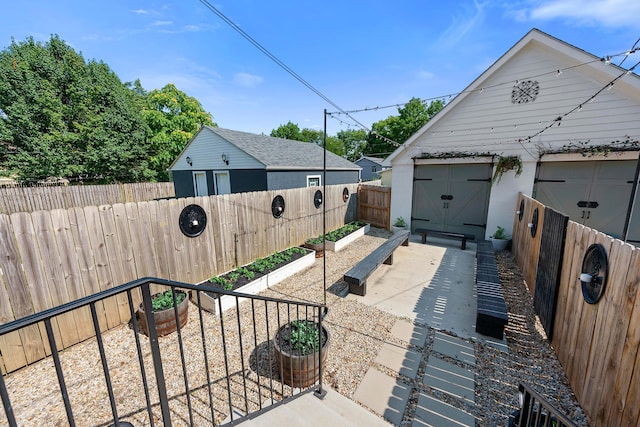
(446, 234)
(491, 316)
(357, 276)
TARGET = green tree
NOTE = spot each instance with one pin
(354, 142)
(292, 131)
(172, 118)
(411, 117)
(65, 117)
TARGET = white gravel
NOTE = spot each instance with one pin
(358, 332)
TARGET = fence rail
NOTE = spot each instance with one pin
(597, 344)
(15, 199)
(205, 382)
(49, 258)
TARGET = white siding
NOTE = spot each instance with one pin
(486, 121)
(206, 151)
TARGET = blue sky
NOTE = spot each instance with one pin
(359, 53)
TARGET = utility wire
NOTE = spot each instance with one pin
(281, 64)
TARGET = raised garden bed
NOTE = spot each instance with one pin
(255, 277)
(338, 239)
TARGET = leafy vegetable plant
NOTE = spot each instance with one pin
(164, 300)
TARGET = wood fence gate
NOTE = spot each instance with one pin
(554, 231)
(374, 205)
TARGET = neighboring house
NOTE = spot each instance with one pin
(550, 105)
(371, 167)
(221, 161)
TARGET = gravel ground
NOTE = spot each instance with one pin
(357, 334)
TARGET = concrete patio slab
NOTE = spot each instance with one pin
(384, 395)
(435, 413)
(454, 347)
(451, 379)
(410, 333)
(399, 359)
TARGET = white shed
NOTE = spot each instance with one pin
(571, 121)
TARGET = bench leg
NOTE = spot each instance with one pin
(406, 242)
(389, 261)
(424, 237)
(360, 290)
(464, 244)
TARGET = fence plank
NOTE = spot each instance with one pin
(53, 275)
(566, 278)
(609, 330)
(15, 299)
(86, 262)
(71, 271)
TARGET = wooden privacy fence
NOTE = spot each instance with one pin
(31, 199)
(48, 258)
(597, 344)
(374, 205)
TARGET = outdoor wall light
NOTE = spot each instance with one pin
(189, 161)
(225, 159)
(596, 270)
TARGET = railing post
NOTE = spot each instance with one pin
(155, 354)
(320, 393)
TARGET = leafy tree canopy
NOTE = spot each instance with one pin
(411, 117)
(173, 118)
(354, 142)
(292, 131)
(63, 116)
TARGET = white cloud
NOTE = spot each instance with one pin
(161, 23)
(140, 11)
(609, 13)
(462, 24)
(247, 80)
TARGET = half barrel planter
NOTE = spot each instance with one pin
(165, 320)
(300, 371)
(210, 304)
(346, 240)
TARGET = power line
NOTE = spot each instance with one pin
(281, 64)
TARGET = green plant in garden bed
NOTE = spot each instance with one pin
(164, 300)
(335, 235)
(243, 275)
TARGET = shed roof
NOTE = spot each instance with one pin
(279, 153)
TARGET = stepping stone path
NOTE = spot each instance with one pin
(448, 371)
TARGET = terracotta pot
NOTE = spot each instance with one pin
(318, 247)
(165, 319)
(300, 371)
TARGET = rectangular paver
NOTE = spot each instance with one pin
(451, 379)
(454, 347)
(410, 333)
(435, 413)
(399, 359)
(384, 395)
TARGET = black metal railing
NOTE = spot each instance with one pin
(218, 368)
(536, 411)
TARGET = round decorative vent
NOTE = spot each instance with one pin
(317, 199)
(534, 223)
(277, 206)
(345, 194)
(595, 271)
(525, 91)
(192, 221)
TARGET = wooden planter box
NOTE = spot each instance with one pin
(165, 320)
(340, 244)
(211, 304)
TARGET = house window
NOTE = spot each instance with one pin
(373, 169)
(313, 180)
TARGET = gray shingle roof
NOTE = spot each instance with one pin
(278, 153)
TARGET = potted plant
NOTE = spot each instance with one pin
(315, 244)
(301, 347)
(399, 224)
(500, 239)
(163, 312)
